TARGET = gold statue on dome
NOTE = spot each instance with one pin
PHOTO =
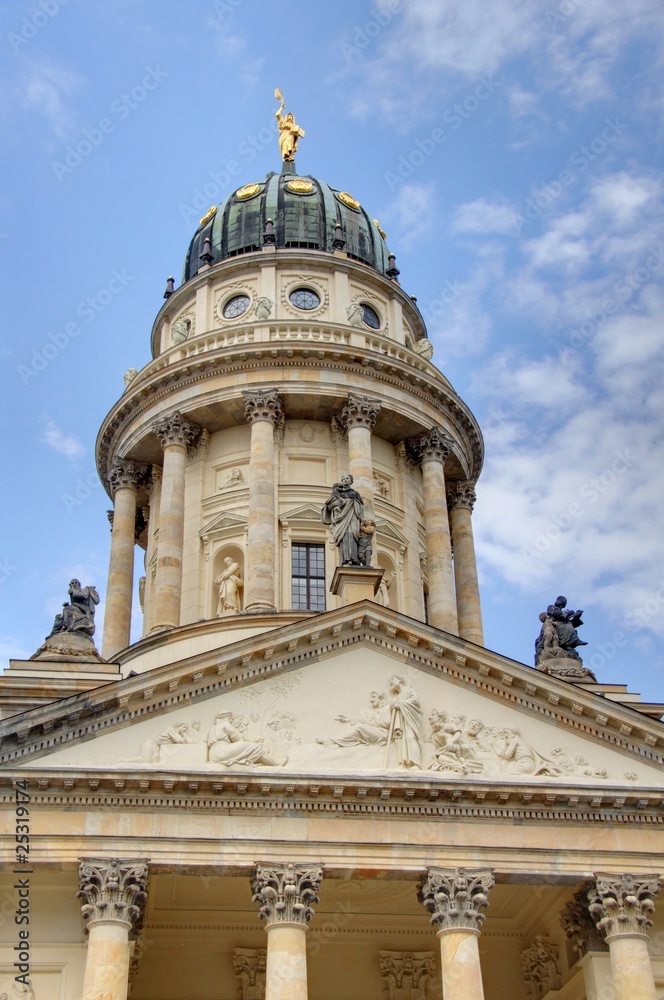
(289, 130)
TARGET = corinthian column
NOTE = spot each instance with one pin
(285, 895)
(114, 892)
(454, 898)
(358, 419)
(263, 411)
(460, 501)
(124, 477)
(176, 435)
(432, 449)
(621, 906)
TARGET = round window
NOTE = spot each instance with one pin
(304, 298)
(370, 317)
(236, 306)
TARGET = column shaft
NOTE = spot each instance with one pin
(631, 968)
(442, 599)
(261, 570)
(469, 611)
(360, 465)
(107, 960)
(168, 583)
(117, 617)
(460, 964)
(286, 963)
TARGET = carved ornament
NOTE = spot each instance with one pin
(621, 905)
(432, 447)
(176, 429)
(249, 965)
(579, 926)
(455, 897)
(263, 404)
(126, 474)
(406, 974)
(113, 889)
(286, 893)
(541, 969)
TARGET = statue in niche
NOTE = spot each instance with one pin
(227, 744)
(562, 621)
(289, 131)
(405, 723)
(229, 583)
(383, 595)
(343, 511)
(78, 614)
(371, 730)
(365, 543)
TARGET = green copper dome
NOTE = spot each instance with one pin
(304, 213)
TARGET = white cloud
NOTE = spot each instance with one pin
(485, 216)
(412, 213)
(48, 89)
(64, 444)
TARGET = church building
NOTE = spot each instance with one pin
(309, 778)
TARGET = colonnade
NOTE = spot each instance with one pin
(613, 908)
(454, 603)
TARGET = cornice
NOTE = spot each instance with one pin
(32, 734)
(265, 359)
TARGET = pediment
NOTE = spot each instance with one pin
(306, 512)
(316, 699)
(221, 524)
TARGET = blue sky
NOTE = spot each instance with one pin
(512, 152)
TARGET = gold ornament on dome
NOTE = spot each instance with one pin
(348, 199)
(380, 228)
(248, 191)
(300, 186)
(208, 215)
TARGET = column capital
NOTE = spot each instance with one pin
(454, 897)
(286, 893)
(126, 474)
(113, 889)
(461, 494)
(359, 411)
(621, 904)
(434, 446)
(176, 429)
(263, 404)
(579, 926)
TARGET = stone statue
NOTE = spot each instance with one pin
(558, 637)
(129, 376)
(230, 583)
(227, 744)
(289, 131)
(78, 615)
(365, 543)
(344, 512)
(370, 730)
(355, 314)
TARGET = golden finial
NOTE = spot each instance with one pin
(289, 131)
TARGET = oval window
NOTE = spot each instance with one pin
(370, 317)
(304, 298)
(236, 306)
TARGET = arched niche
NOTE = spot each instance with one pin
(387, 593)
(233, 591)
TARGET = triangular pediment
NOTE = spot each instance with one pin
(303, 512)
(222, 523)
(317, 699)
